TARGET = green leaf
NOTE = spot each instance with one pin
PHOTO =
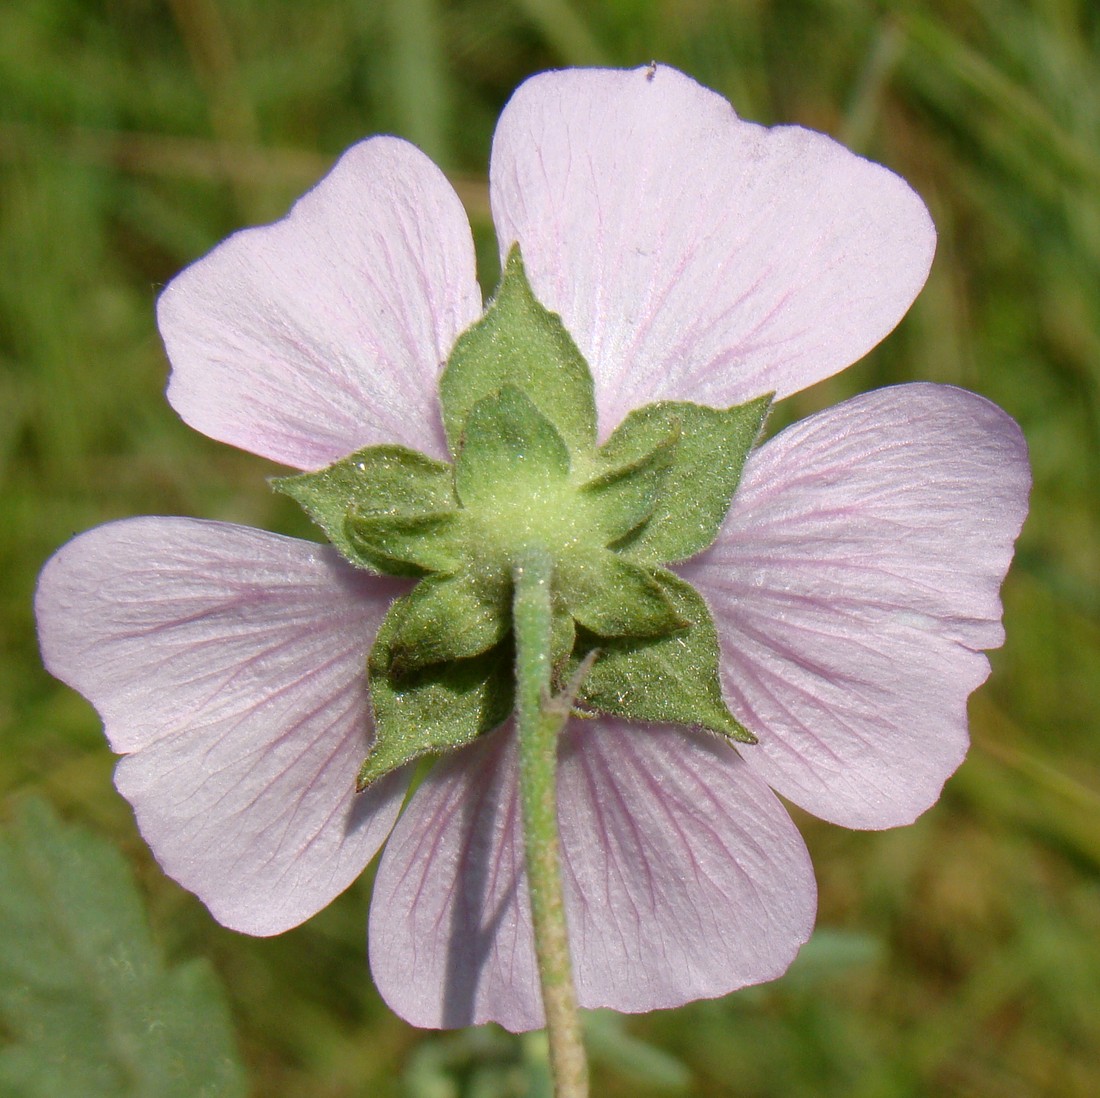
(519, 342)
(433, 709)
(378, 480)
(511, 454)
(611, 1044)
(85, 996)
(671, 679)
(705, 470)
(831, 953)
(623, 497)
(612, 597)
(449, 618)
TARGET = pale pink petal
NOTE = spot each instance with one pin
(692, 255)
(327, 331)
(684, 878)
(228, 664)
(854, 585)
(450, 920)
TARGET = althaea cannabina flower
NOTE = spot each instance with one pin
(854, 582)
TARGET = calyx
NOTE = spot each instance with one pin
(519, 410)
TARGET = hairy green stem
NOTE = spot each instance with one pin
(539, 721)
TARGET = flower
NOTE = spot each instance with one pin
(854, 583)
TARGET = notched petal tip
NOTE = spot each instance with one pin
(284, 339)
(692, 255)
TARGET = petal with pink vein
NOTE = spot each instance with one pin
(450, 922)
(684, 878)
(325, 332)
(228, 665)
(854, 586)
(694, 256)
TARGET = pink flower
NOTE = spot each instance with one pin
(854, 584)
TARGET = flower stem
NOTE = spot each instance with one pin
(539, 721)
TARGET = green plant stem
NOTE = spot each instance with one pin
(539, 721)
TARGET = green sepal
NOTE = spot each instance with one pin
(449, 618)
(563, 635)
(377, 479)
(623, 497)
(511, 453)
(435, 709)
(671, 679)
(519, 342)
(405, 544)
(613, 597)
(705, 470)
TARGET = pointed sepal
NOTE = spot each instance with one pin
(704, 472)
(513, 462)
(434, 709)
(519, 342)
(621, 497)
(613, 597)
(405, 543)
(671, 679)
(378, 480)
(448, 618)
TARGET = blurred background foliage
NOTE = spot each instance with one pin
(960, 956)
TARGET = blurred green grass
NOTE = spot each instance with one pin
(135, 135)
